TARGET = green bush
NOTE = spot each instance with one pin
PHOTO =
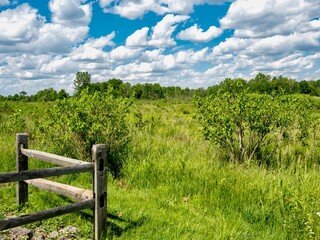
(252, 126)
(73, 125)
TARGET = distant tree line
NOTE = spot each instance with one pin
(262, 83)
(45, 95)
(266, 84)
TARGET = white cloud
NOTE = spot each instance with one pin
(232, 46)
(102, 41)
(138, 38)
(292, 63)
(88, 54)
(57, 39)
(92, 50)
(151, 55)
(4, 2)
(186, 7)
(19, 25)
(272, 45)
(162, 32)
(313, 25)
(276, 37)
(70, 12)
(164, 64)
(133, 9)
(35, 53)
(263, 18)
(287, 44)
(267, 38)
(189, 56)
(24, 30)
(161, 36)
(196, 34)
(123, 53)
(105, 3)
(221, 70)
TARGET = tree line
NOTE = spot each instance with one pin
(262, 83)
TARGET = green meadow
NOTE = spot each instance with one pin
(175, 184)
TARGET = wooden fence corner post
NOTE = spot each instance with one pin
(99, 159)
(21, 165)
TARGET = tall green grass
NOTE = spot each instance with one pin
(176, 186)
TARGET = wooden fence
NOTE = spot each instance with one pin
(96, 199)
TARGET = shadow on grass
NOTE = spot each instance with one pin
(116, 225)
(116, 230)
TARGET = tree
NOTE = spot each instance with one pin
(115, 84)
(82, 81)
(284, 85)
(62, 94)
(23, 93)
(260, 84)
(45, 95)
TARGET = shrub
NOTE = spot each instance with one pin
(73, 125)
(252, 126)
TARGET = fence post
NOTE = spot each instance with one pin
(21, 165)
(99, 159)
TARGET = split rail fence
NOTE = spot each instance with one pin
(96, 199)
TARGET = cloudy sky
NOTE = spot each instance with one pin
(187, 43)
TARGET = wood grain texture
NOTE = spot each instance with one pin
(37, 216)
(21, 165)
(52, 158)
(76, 193)
(99, 159)
(41, 173)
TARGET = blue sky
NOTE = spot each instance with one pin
(194, 43)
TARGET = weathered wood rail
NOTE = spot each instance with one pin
(95, 199)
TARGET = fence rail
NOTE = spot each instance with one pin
(96, 199)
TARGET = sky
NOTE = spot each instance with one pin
(186, 43)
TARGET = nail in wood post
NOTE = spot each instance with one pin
(21, 165)
(99, 158)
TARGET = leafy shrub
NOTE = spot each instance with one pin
(17, 122)
(252, 126)
(5, 107)
(73, 125)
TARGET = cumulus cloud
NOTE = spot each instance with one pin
(271, 27)
(133, 9)
(190, 56)
(102, 41)
(38, 53)
(92, 49)
(70, 12)
(232, 46)
(123, 53)
(19, 25)
(291, 63)
(162, 32)
(164, 63)
(105, 3)
(53, 38)
(196, 34)
(277, 37)
(161, 36)
(23, 29)
(263, 18)
(4, 2)
(138, 38)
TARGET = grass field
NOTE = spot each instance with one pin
(174, 184)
